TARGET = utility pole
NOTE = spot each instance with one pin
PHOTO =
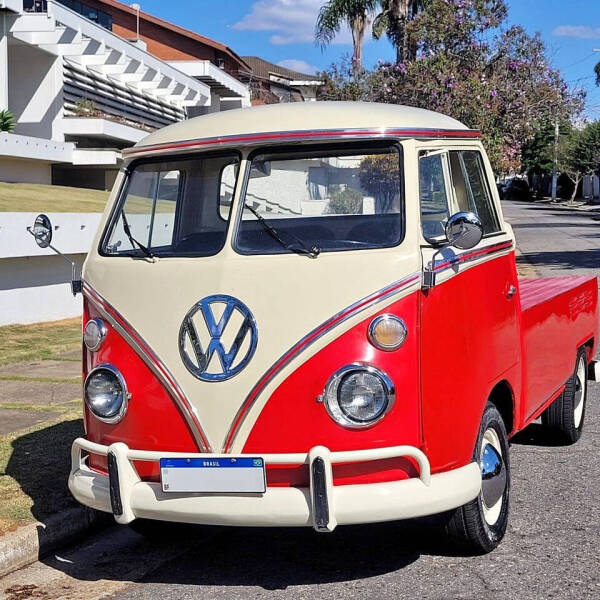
(555, 170)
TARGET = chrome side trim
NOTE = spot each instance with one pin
(308, 135)
(471, 255)
(308, 340)
(158, 368)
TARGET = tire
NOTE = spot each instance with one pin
(564, 418)
(478, 527)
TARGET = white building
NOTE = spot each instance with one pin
(84, 87)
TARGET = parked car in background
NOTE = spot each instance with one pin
(514, 188)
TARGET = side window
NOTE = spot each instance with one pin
(471, 188)
(435, 204)
(148, 212)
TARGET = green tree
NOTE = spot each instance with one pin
(470, 67)
(379, 175)
(393, 20)
(579, 154)
(537, 155)
(356, 14)
(347, 201)
(7, 121)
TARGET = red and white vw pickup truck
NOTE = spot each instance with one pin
(310, 315)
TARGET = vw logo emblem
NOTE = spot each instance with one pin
(217, 338)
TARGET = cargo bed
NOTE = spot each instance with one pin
(559, 315)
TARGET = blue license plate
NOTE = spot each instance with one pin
(213, 475)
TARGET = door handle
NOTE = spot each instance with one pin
(512, 290)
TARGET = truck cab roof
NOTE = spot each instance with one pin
(307, 117)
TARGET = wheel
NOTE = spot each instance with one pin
(479, 526)
(565, 416)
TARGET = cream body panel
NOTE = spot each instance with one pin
(301, 116)
(288, 295)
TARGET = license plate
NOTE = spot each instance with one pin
(218, 475)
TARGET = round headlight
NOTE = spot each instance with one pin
(94, 333)
(358, 395)
(387, 332)
(106, 393)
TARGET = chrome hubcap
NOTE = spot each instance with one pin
(493, 476)
(580, 383)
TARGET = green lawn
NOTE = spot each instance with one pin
(34, 467)
(52, 340)
(35, 462)
(31, 197)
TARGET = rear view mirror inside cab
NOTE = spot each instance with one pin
(260, 168)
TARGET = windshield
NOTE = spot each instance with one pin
(323, 200)
(179, 207)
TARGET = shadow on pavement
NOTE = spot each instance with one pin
(40, 463)
(271, 558)
(560, 225)
(536, 435)
(566, 259)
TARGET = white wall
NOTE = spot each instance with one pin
(35, 91)
(72, 233)
(35, 283)
(37, 288)
(14, 170)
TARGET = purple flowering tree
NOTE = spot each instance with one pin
(467, 66)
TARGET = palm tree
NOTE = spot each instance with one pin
(392, 20)
(356, 13)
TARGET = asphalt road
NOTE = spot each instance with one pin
(551, 549)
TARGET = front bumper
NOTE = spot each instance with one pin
(322, 505)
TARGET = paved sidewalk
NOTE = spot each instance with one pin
(37, 391)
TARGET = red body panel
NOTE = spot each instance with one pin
(293, 420)
(152, 421)
(469, 341)
(559, 315)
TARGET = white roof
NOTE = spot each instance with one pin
(302, 116)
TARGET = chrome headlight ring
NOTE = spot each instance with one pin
(126, 396)
(330, 395)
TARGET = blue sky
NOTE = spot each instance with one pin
(281, 31)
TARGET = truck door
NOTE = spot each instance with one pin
(469, 320)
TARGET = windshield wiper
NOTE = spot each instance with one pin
(301, 248)
(132, 240)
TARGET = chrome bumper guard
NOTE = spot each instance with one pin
(323, 505)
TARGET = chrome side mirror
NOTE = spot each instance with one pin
(42, 231)
(42, 234)
(464, 230)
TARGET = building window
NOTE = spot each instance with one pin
(98, 16)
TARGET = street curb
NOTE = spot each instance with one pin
(32, 542)
(591, 208)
